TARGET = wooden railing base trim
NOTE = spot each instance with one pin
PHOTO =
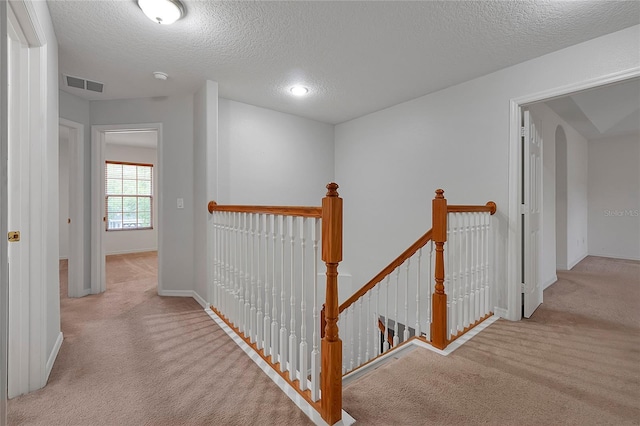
(391, 349)
(306, 394)
(469, 328)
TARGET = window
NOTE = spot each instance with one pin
(129, 196)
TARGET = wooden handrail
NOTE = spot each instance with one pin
(489, 207)
(422, 241)
(279, 210)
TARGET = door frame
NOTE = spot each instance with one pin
(76, 284)
(98, 274)
(4, 258)
(42, 232)
(514, 239)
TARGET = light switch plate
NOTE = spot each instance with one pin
(180, 203)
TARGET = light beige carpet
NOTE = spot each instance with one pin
(131, 357)
(575, 362)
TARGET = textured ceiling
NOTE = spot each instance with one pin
(604, 112)
(356, 57)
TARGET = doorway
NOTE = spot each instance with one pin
(126, 201)
(71, 206)
(517, 261)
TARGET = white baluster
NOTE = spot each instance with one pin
(476, 281)
(487, 289)
(418, 284)
(405, 336)
(452, 281)
(352, 332)
(379, 338)
(396, 337)
(274, 292)
(315, 354)
(460, 268)
(247, 279)
(467, 279)
(385, 345)
(343, 323)
(252, 272)
(303, 310)
(368, 319)
(358, 319)
(259, 313)
(283, 298)
(264, 219)
(481, 265)
(240, 262)
(430, 289)
(293, 339)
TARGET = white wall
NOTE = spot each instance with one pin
(577, 198)
(76, 109)
(388, 163)
(175, 152)
(132, 241)
(272, 158)
(63, 186)
(614, 197)
(205, 172)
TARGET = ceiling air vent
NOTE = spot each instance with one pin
(80, 83)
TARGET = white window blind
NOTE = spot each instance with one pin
(129, 196)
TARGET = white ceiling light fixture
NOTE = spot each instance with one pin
(163, 12)
(159, 75)
(299, 90)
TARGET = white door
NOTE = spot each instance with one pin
(531, 214)
(18, 209)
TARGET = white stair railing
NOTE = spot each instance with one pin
(467, 269)
(264, 289)
(391, 309)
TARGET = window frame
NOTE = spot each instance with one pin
(150, 197)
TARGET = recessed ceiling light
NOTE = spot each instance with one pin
(299, 90)
(162, 11)
(160, 75)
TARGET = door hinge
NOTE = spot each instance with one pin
(522, 287)
(522, 131)
(524, 209)
(13, 236)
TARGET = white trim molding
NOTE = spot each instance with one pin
(76, 208)
(98, 281)
(185, 293)
(53, 355)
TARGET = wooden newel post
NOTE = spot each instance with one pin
(331, 349)
(439, 300)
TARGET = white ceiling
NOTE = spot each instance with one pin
(138, 138)
(355, 56)
(603, 112)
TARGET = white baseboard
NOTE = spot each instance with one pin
(52, 356)
(551, 281)
(575, 262)
(185, 293)
(142, 250)
(500, 312)
(613, 256)
(200, 300)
